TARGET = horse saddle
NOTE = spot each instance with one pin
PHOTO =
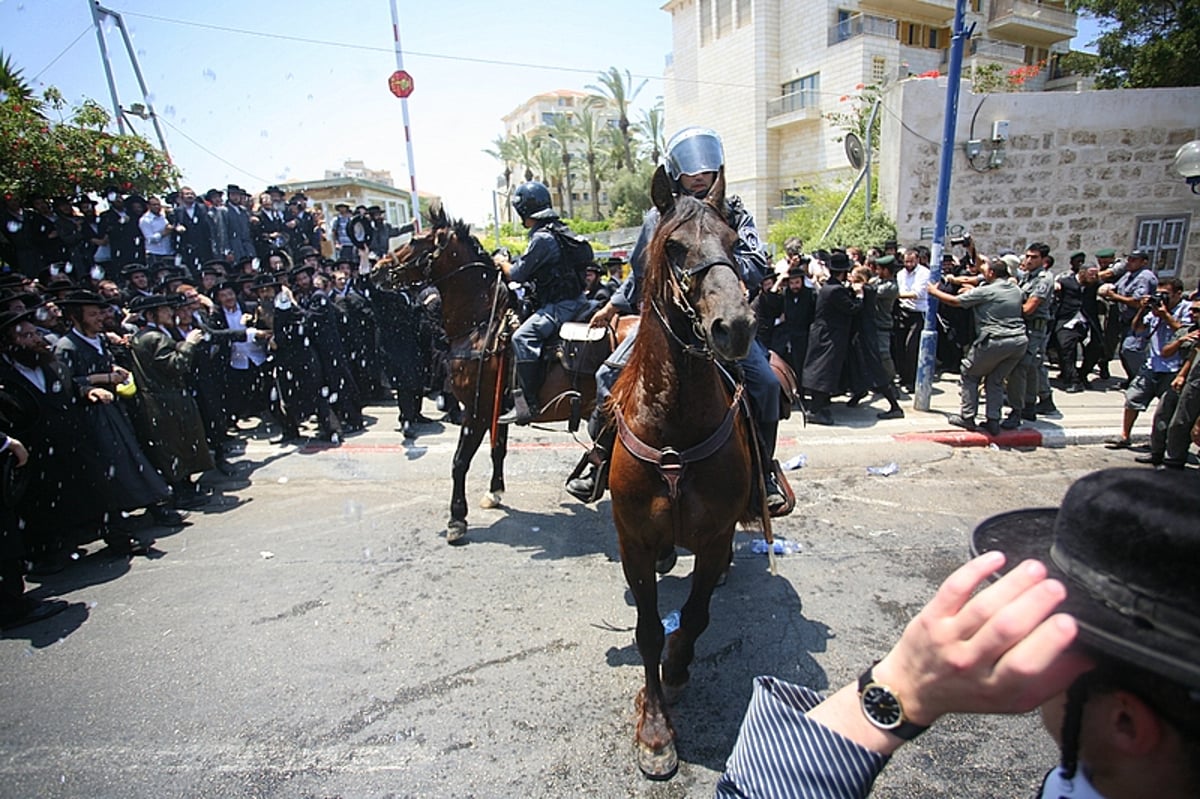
(789, 387)
(582, 348)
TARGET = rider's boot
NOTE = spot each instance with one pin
(590, 478)
(776, 498)
(525, 395)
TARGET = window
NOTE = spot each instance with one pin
(724, 17)
(706, 19)
(745, 11)
(801, 93)
(915, 34)
(878, 69)
(1164, 238)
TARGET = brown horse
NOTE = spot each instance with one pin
(477, 319)
(683, 470)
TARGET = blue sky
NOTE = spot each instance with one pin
(265, 91)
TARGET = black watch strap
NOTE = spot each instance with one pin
(902, 728)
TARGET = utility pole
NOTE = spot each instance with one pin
(412, 170)
(927, 358)
(99, 13)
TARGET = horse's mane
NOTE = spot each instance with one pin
(657, 277)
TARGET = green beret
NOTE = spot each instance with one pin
(1108, 252)
(886, 260)
(1077, 254)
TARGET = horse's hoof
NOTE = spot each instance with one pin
(658, 764)
(666, 562)
(456, 531)
(673, 693)
(492, 499)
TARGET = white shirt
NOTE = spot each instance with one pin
(153, 227)
(916, 281)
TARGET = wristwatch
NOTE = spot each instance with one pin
(882, 707)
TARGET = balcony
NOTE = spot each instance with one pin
(793, 109)
(1030, 22)
(862, 25)
(983, 50)
(931, 11)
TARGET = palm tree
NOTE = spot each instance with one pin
(14, 86)
(505, 151)
(549, 162)
(590, 133)
(621, 92)
(651, 126)
(525, 156)
(565, 131)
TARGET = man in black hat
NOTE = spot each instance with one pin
(157, 232)
(593, 285)
(268, 225)
(241, 239)
(132, 480)
(120, 227)
(137, 282)
(829, 339)
(193, 231)
(339, 229)
(44, 225)
(789, 336)
(168, 421)
(1093, 620)
(16, 236)
(219, 225)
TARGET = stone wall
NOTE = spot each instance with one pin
(1080, 169)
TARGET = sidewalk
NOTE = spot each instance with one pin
(1089, 417)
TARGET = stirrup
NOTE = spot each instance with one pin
(596, 467)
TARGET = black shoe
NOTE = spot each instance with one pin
(1074, 388)
(992, 426)
(190, 499)
(1046, 406)
(583, 486)
(126, 545)
(33, 610)
(891, 413)
(854, 401)
(1092, 385)
(1029, 414)
(961, 421)
(776, 499)
(167, 517)
(1118, 442)
(823, 417)
(1012, 421)
(406, 427)
(1152, 459)
(520, 414)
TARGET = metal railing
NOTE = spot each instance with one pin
(862, 25)
(809, 100)
(1050, 16)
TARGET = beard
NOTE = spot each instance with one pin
(31, 358)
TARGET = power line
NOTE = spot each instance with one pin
(214, 155)
(74, 42)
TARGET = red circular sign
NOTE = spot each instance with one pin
(401, 83)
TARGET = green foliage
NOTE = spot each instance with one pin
(808, 222)
(1145, 43)
(858, 113)
(586, 227)
(629, 196)
(75, 154)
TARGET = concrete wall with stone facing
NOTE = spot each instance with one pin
(1079, 169)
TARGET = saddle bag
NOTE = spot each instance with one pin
(582, 349)
(789, 388)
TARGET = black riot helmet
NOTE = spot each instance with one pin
(532, 201)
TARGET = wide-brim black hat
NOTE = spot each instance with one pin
(129, 270)
(29, 299)
(10, 318)
(148, 302)
(1125, 543)
(83, 297)
(295, 270)
(266, 280)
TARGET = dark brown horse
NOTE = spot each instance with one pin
(682, 472)
(477, 318)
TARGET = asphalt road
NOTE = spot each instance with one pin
(312, 635)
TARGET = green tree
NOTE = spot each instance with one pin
(809, 221)
(589, 136)
(651, 126)
(622, 92)
(564, 130)
(629, 196)
(72, 154)
(1145, 43)
(525, 154)
(504, 150)
(549, 163)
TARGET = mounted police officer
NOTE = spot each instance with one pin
(694, 157)
(557, 286)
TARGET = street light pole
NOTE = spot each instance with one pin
(927, 357)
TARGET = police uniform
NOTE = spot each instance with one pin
(1030, 380)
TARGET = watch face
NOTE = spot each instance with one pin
(881, 707)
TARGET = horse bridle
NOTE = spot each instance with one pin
(680, 285)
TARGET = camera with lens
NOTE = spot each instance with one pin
(961, 241)
(1156, 300)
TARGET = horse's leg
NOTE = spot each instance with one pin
(711, 563)
(469, 437)
(655, 736)
(495, 494)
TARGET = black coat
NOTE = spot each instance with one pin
(131, 480)
(829, 338)
(866, 363)
(124, 238)
(194, 244)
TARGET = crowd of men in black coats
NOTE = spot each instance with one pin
(120, 387)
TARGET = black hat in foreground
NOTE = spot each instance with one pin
(266, 280)
(1125, 543)
(83, 297)
(10, 318)
(148, 302)
(838, 261)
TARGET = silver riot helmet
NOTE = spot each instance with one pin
(694, 150)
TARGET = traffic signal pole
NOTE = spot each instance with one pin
(412, 170)
(927, 358)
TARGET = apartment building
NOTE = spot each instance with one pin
(765, 73)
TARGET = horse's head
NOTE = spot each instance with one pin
(447, 246)
(691, 265)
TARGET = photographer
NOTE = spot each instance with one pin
(1155, 322)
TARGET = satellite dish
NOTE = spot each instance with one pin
(854, 150)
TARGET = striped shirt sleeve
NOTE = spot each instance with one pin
(781, 753)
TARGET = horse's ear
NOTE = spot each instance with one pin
(662, 191)
(716, 193)
(438, 218)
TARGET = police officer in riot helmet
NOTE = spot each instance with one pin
(694, 157)
(558, 290)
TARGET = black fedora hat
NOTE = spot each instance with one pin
(266, 280)
(1125, 543)
(29, 299)
(148, 302)
(83, 297)
(129, 270)
(295, 270)
(10, 318)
